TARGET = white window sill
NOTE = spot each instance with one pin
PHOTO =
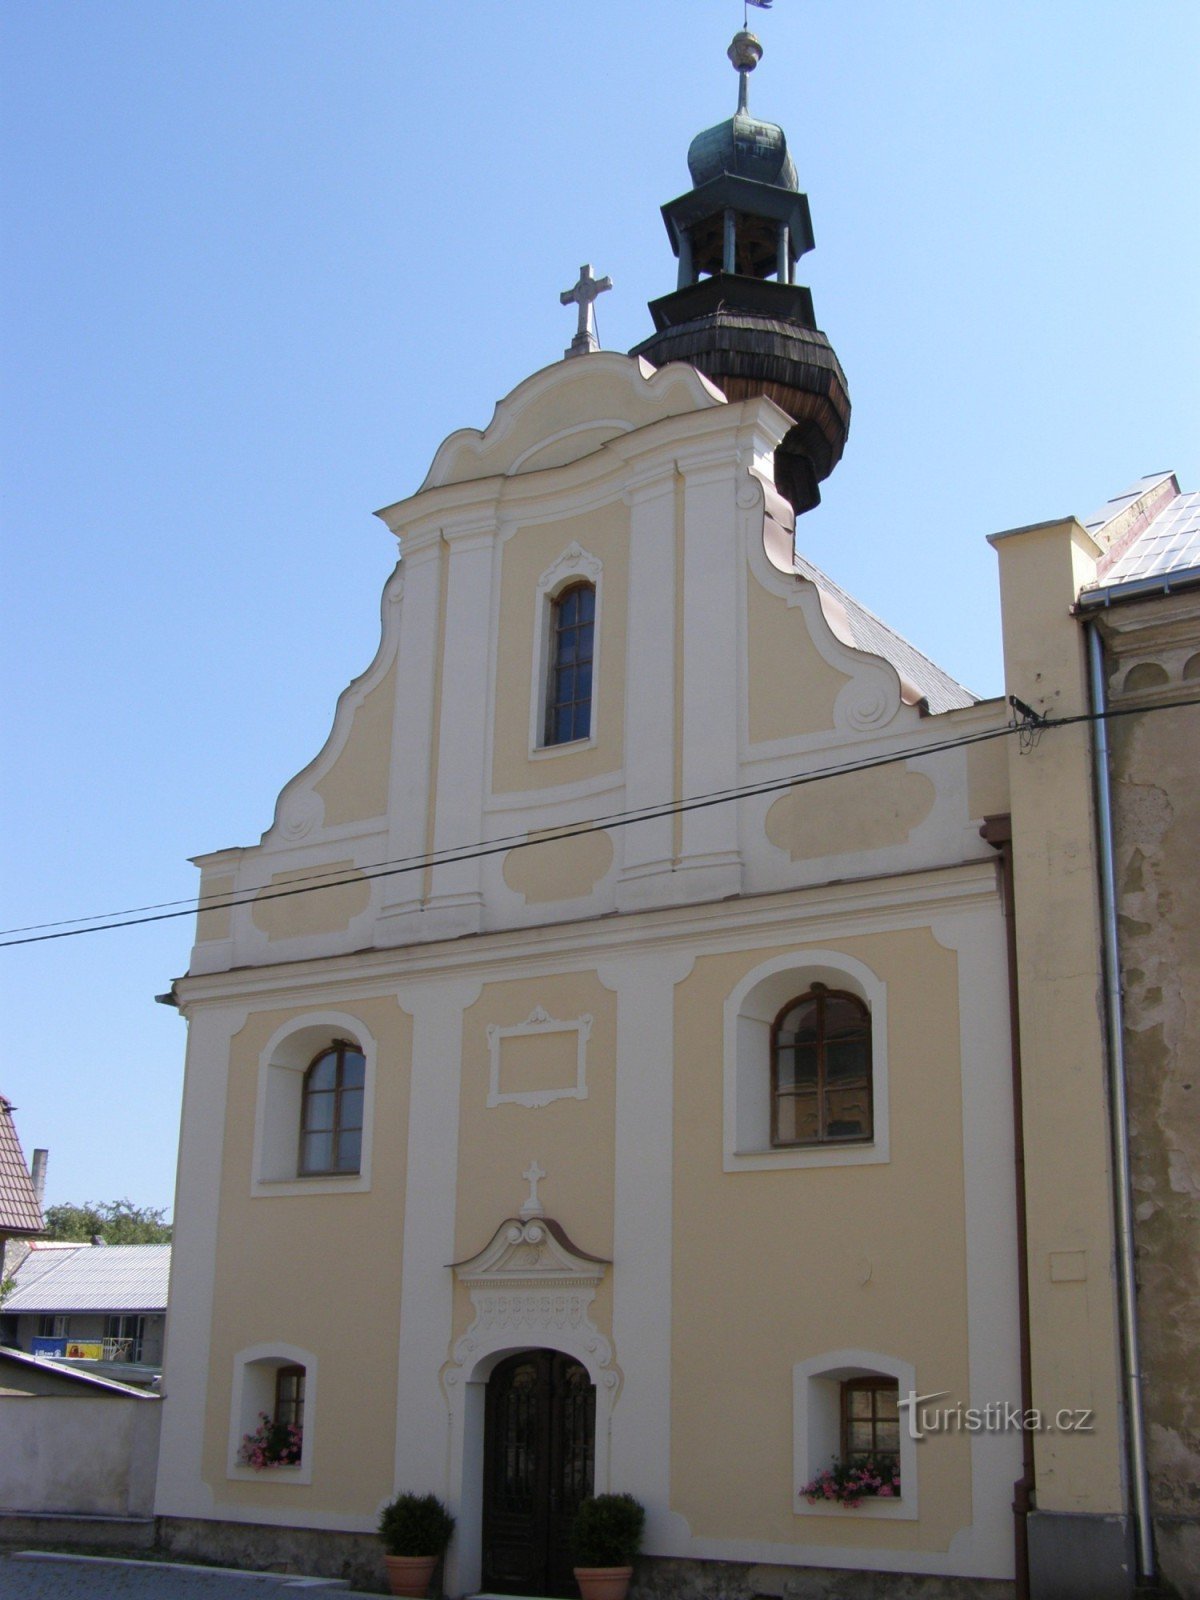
(313, 1183)
(776, 1158)
(541, 752)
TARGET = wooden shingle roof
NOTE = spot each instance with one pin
(19, 1210)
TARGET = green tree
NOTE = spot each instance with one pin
(114, 1221)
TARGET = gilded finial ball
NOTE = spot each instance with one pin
(745, 52)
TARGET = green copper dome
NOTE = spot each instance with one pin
(743, 146)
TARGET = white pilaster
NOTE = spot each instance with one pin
(647, 847)
(426, 1285)
(640, 1442)
(412, 741)
(455, 905)
(711, 666)
(181, 1490)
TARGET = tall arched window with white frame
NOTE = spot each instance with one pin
(572, 653)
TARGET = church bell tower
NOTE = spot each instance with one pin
(737, 313)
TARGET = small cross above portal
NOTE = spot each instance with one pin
(584, 296)
(533, 1175)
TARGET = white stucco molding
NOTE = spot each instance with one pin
(603, 397)
(299, 810)
(573, 565)
(816, 1420)
(284, 1059)
(531, 1289)
(254, 1372)
(873, 697)
(750, 1008)
(537, 1024)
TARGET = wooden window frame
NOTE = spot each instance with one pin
(340, 1047)
(289, 1410)
(555, 665)
(873, 1386)
(818, 994)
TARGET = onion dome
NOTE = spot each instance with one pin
(737, 313)
(743, 146)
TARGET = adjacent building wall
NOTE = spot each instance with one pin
(1153, 655)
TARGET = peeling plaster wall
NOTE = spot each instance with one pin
(1156, 803)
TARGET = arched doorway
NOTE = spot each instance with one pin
(539, 1450)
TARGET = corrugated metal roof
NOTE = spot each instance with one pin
(872, 634)
(115, 1277)
(1171, 543)
(19, 1211)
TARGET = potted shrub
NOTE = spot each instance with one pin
(605, 1537)
(415, 1529)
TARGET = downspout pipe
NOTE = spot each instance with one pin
(997, 831)
(1119, 1107)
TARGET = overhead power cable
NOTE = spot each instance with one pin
(1025, 722)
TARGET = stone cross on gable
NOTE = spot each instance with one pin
(584, 296)
(533, 1207)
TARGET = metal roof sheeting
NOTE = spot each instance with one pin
(1170, 544)
(871, 634)
(115, 1277)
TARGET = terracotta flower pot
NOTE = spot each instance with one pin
(410, 1575)
(603, 1583)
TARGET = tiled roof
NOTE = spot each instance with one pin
(873, 635)
(115, 1277)
(1163, 539)
(19, 1211)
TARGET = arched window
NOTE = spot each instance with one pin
(331, 1120)
(273, 1414)
(821, 1069)
(572, 647)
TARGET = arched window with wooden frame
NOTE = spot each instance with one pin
(331, 1122)
(571, 656)
(821, 1069)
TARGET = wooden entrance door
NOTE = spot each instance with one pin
(538, 1449)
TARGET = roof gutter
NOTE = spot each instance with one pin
(1118, 1108)
(1101, 599)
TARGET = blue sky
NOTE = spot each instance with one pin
(259, 258)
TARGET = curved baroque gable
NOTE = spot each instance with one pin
(568, 411)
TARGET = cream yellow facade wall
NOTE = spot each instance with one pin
(794, 1249)
(355, 787)
(1073, 1326)
(286, 1273)
(283, 915)
(603, 533)
(573, 1140)
(792, 689)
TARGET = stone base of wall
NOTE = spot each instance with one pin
(357, 1557)
(254, 1547)
(1177, 1546)
(668, 1578)
(58, 1527)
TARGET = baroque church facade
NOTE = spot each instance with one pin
(601, 1074)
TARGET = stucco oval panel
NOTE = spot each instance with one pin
(558, 869)
(857, 811)
(295, 916)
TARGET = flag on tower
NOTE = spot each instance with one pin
(763, 5)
